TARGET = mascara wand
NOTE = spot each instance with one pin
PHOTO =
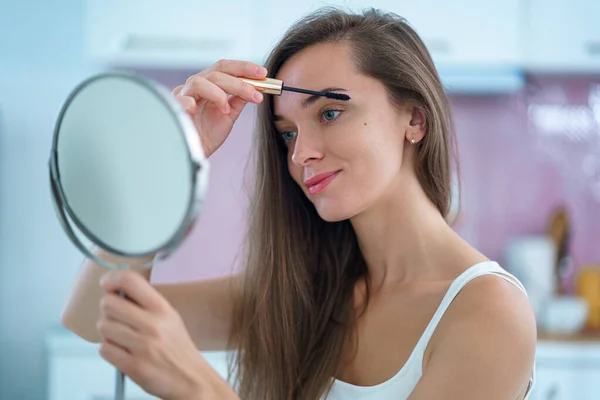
(276, 87)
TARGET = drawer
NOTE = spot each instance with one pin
(90, 377)
(566, 384)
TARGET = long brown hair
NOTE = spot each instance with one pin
(295, 314)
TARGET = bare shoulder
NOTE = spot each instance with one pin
(492, 294)
(487, 338)
(490, 307)
(492, 297)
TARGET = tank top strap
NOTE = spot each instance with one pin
(483, 268)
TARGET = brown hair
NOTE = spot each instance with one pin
(295, 315)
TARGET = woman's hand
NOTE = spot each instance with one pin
(145, 338)
(205, 98)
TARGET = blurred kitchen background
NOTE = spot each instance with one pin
(524, 81)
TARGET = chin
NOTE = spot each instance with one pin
(333, 212)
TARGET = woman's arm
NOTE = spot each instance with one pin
(205, 306)
(486, 346)
(82, 308)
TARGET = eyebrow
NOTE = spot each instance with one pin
(313, 98)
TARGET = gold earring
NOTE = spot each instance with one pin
(412, 140)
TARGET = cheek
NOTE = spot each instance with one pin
(378, 148)
(376, 160)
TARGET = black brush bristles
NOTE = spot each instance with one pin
(329, 95)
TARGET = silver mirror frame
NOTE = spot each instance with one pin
(199, 176)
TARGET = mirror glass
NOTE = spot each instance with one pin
(125, 165)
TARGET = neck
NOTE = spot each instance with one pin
(404, 236)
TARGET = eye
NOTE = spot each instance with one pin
(288, 136)
(330, 115)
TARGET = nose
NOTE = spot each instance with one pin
(308, 148)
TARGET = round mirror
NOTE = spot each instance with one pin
(127, 167)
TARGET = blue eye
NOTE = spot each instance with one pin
(288, 136)
(330, 115)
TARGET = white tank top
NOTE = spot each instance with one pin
(400, 386)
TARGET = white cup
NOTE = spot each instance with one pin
(532, 260)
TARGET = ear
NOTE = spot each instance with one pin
(416, 126)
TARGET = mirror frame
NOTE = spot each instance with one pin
(200, 169)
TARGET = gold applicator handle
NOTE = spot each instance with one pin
(265, 85)
(276, 87)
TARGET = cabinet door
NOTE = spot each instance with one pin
(563, 35)
(277, 16)
(87, 378)
(173, 34)
(460, 33)
(90, 377)
(469, 33)
(566, 383)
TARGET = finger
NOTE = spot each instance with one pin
(117, 356)
(237, 105)
(188, 103)
(119, 334)
(200, 88)
(235, 86)
(134, 286)
(122, 310)
(238, 68)
(176, 90)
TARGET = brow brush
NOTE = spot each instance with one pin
(276, 87)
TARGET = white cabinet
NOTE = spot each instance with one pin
(277, 16)
(476, 45)
(478, 39)
(87, 378)
(77, 372)
(469, 33)
(563, 36)
(174, 34)
(570, 383)
(567, 371)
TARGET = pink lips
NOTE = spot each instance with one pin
(318, 183)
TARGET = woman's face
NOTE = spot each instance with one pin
(345, 155)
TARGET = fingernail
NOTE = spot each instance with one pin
(258, 96)
(226, 109)
(261, 70)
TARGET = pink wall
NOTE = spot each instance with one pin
(510, 186)
(214, 242)
(514, 175)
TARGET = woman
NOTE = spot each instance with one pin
(355, 287)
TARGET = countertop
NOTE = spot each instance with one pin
(584, 336)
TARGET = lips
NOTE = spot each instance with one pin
(319, 182)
